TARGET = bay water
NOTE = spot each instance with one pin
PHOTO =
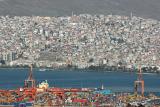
(116, 81)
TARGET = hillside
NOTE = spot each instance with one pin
(142, 8)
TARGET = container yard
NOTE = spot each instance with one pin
(42, 95)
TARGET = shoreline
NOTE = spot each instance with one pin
(85, 70)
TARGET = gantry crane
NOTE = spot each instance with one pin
(29, 86)
(30, 82)
(139, 83)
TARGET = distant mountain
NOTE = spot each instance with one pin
(142, 8)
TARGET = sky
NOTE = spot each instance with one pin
(141, 8)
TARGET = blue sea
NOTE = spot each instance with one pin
(115, 81)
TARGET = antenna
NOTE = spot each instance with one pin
(131, 15)
(140, 24)
(72, 14)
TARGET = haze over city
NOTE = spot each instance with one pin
(141, 8)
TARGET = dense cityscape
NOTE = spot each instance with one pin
(81, 41)
(79, 53)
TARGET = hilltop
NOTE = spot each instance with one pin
(141, 8)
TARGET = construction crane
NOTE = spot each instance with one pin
(139, 83)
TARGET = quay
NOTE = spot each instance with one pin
(42, 95)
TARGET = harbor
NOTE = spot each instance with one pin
(79, 53)
(43, 94)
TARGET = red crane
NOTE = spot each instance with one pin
(30, 82)
(139, 83)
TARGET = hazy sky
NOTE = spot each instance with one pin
(143, 8)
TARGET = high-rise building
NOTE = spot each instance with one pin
(9, 56)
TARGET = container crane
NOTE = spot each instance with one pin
(30, 82)
(139, 83)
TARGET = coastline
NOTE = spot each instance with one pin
(89, 69)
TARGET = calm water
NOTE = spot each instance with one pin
(117, 81)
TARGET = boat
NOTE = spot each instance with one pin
(42, 69)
